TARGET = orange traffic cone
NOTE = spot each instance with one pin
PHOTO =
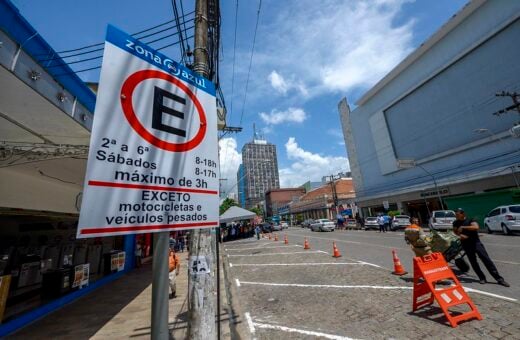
(336, 252)
(398, 267)
(269, 236)
(276, 237)
(306, 244)
(286, 240)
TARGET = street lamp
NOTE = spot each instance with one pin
(410, 163)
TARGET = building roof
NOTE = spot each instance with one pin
(344, 189)
(454, 21)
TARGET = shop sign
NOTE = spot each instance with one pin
(153, 158)
(433, 193)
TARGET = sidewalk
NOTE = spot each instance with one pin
(120, 309)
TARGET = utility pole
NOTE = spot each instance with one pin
(201, 314)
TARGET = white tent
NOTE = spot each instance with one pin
(236, 214)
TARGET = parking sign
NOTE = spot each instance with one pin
(153, 158)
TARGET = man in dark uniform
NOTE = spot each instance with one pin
(467, 229)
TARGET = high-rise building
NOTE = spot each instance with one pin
(241, 185)
(260, 171)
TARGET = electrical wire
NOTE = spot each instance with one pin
(250, 61)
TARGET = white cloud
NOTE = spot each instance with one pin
(230, 159)
(342, 45)
(277, 82)
(308, 166)
(292, 114)
(281, 85)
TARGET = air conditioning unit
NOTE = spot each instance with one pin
(515, 131)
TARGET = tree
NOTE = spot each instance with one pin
(258, 211)
(228, 203)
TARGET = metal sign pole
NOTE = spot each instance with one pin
(160, 287)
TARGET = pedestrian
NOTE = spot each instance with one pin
(386, 220)
(182, 243)
(257, 232)
(381, 223)
(417, 239)
(174, 264)
(467, 229)
(138, 253)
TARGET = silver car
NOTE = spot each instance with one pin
(442, 219)
(505, 219)
(323, 224)
(400, 222)
(371, 223)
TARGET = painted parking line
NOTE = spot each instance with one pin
(296, 252)
(352, 242)
(507, 262)
(321, 286)
(477, 291)
(257, 248)
(299, 331)
(250, 323)
(293, 264)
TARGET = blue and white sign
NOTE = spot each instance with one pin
(153, 159)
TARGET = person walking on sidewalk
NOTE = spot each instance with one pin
(174, 264)
(257, 232)
(467, 229)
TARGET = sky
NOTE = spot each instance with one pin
(308, 55)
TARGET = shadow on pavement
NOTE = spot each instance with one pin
(84, 317)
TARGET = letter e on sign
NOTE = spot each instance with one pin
(152, 133)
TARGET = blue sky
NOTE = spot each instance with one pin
(308, 55)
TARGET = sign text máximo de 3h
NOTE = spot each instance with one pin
(153, 151)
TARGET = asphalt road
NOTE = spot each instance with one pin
(374, 247)
(285, 292)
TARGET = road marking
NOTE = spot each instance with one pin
(506, 262)
(322, 286)
(370, 264)
(353, 242)
(230, 264)
(489, 294)
(250, 323)
(296, 252)
(237, 282)
(300, 331)
(257, 248)
(295, 264)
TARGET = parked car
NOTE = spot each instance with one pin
(504, 218)
(371, 223)
(284, 225)
(323, 224)
(266, 227)
(351, 223)
(400, 222)
(307, 223)
(277, 227)
(442, 219)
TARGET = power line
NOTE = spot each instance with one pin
(251, 60)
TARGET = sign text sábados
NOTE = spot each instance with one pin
(153, 152)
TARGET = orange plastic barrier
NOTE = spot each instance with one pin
(306, 244)
(286, 240)
(430, 269)
(335, 250)
(276, 237)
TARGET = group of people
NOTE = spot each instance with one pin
(467, 230)
(236, 230)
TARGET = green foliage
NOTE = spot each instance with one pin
(258, 211)
(228, 203)
(393, 213)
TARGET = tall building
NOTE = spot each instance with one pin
(241, 184)
(260, 171)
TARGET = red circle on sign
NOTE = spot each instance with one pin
(127, 92)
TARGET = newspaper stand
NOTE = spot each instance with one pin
(430, 269)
